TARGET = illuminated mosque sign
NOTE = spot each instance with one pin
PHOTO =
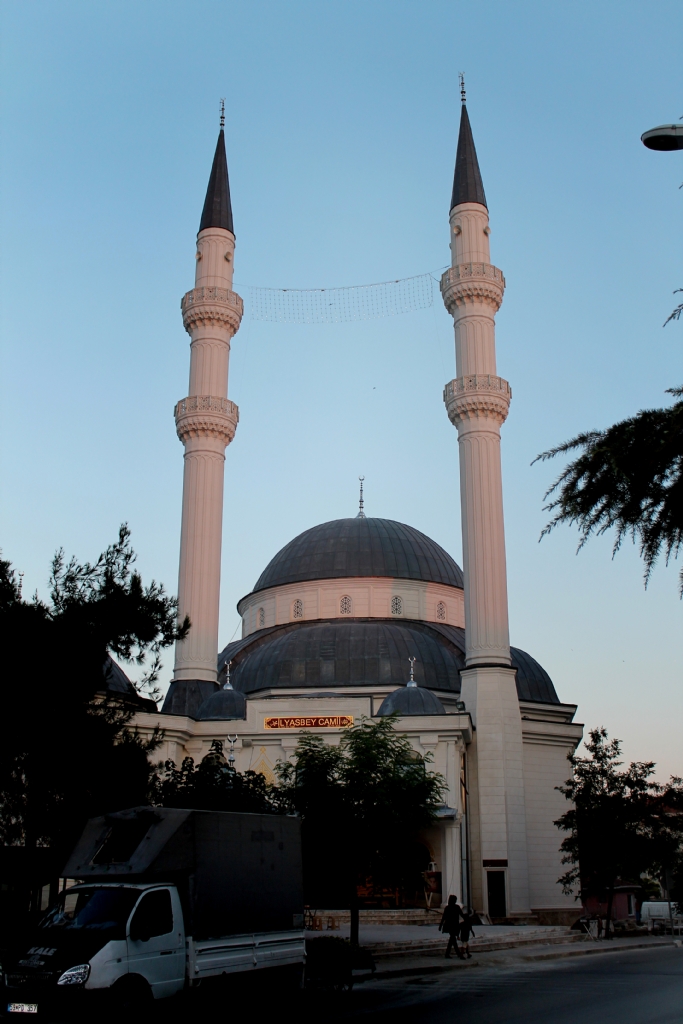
(310, 722)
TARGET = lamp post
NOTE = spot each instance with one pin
(664, 138)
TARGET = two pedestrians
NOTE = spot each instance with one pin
(451, 921)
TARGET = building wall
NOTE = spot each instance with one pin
(546, 746)
(548, 733)
(442, 737)
(474, 853)
(370, 597)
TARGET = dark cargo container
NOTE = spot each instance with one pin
(235, 872)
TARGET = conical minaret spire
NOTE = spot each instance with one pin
(217, 212)
(477, 402)
(467, 184)
(206, 421)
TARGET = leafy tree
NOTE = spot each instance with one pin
(621, 824)
(213, 785)
(678, 311)
(628, 477)
(362, 804)
(67, 749)
(676, 890)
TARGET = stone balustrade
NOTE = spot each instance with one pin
(223, 295)
(471, 281)
(215, 306)
(476, 382)
(475, 395)
(206, 416)
(206, 403)
(466, 271)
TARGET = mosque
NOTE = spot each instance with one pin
(364, 616)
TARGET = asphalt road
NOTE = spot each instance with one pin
(638, 987)
(643, 986)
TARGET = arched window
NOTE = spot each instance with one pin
(397, 606)
(441, 611)
(261, 618)
(298, 609)
(345, 605)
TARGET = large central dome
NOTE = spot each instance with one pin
(346, 548)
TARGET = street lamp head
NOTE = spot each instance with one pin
(665, 138)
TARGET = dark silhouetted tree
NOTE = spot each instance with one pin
(678, 311)
(68, 751)
(621, 824)
(213, 785)
(628, 478)
(362, 805)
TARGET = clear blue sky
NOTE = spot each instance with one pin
(341, 127)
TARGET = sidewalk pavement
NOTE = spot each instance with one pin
(384, 940)
(406, 965)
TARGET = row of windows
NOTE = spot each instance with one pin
(346, 608)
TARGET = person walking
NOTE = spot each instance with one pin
(466, 930)
(450, 923)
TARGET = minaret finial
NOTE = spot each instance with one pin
(411, 681)
(222, 114)
(461, 76)
(361, 513)
(227, 684)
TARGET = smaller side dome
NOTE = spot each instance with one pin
(223, 705)
(411, 700)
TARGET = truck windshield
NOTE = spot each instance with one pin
(95, 909)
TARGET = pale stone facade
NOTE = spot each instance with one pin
(455, 844)
(368, 597)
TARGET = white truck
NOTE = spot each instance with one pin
(165, 899)
(662, 912)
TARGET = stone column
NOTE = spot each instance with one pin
(451, 879)
(477, 402)
(206, 421)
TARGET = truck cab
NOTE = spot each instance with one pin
(97, 937)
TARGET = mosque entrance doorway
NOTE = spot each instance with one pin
(495, 891)
(401, 883)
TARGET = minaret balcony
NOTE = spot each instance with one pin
(468, 282)
(201, 306)
(477, 395)
(206, 416)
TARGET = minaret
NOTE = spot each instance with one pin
(477, 402)
(206, 421)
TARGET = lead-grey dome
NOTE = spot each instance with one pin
(340, 653)
(361, 547)
(411, 700)
(336, 653)
(221, 706)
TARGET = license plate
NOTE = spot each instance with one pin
(22, 1008)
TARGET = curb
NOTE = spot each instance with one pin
(594, 948)
(405, 972)
(485, 946)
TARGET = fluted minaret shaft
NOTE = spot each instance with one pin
(206, 421)
(477, 402)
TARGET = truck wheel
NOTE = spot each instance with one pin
(132, 997)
